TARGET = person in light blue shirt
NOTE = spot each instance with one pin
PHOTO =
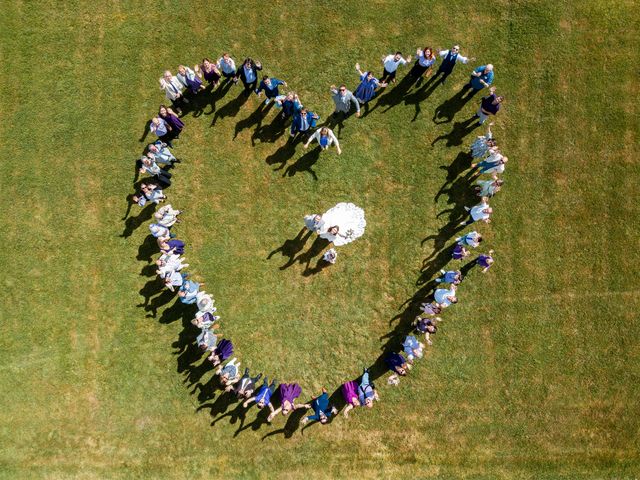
(248, 73)
(452, 276)
(445, 297)
(481, 77)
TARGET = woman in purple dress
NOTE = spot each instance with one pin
(209, 71)
(288, 394)
(368, 86)
(485, 261)
(189, 79)
(171, 119)
(222, 351)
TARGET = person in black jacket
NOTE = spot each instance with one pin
(248, 73)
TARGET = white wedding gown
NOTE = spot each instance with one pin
(350, 221)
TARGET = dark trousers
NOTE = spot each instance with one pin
(388, 76)
(179, 103)
(164, 178)
(249, 87)
(417, 70)
(444, 73)
(472, 92)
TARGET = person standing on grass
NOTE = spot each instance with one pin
(493, 164)
(488, 188)
(149, 166)
(480, 212)
(398, 367)
(229, 374)
(391, 64)
(303, 122)
(173, 91)
(321, 408)
(483, 144)
(368, 86)
(288, 394)
(189, 79)
(425, 59)
(270, 87)
(325, 138)
(412, 348)
(427, 326)
(343, 100)
(453, 277)
(248, 73)
(223, 350)
(445, 296)
(471, 239)
(449, 59)
(161, 129)
(359, 395)
(244, 388)
(207, 340)
(490, 105)
(171, 119)
(290, 104)
(485, 261)
(263, 395)
(481, 77)
(209, 71)
(227, 66)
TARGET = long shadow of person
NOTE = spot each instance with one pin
(132, 223)
(254, 119)
(290, 248)
(260, 420)
(164, 298)
(230, 109)
(460, 130)
(445, 112)
(336, 120)
(459, 165)
(150, 289)
(321, 264)
(318, 245)
(238, 414)
(145, 132)
(291, 426)
(271, 132)
(394, 96)
(304, 164)
(281, 156)
(147, 249)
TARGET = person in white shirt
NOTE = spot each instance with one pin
(449, 60)
(391, 64)
(480, 212)
(173, 90)
(325, 137)
(227, 66)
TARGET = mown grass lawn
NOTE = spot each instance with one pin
(534, 374)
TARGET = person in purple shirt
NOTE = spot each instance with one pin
(481, 77)
(485, 261)
(490, 105)
(270, 87)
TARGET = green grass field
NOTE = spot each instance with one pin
(534, 374)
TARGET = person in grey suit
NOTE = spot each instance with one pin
(343, 99)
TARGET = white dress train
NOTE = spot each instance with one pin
(350, 221)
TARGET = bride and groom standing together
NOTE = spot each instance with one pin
(339, 225)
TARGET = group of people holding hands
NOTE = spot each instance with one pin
(171, 264)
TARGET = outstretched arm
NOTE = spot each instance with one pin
(248, 401)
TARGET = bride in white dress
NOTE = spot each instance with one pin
(342, 224)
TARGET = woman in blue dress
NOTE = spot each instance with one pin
(263, 395)
(368, 86)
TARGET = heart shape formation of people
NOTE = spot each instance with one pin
(340, 225)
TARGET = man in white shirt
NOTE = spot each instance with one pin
(449, 60)
(227, 66)
(391, 64)
(173, 91)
